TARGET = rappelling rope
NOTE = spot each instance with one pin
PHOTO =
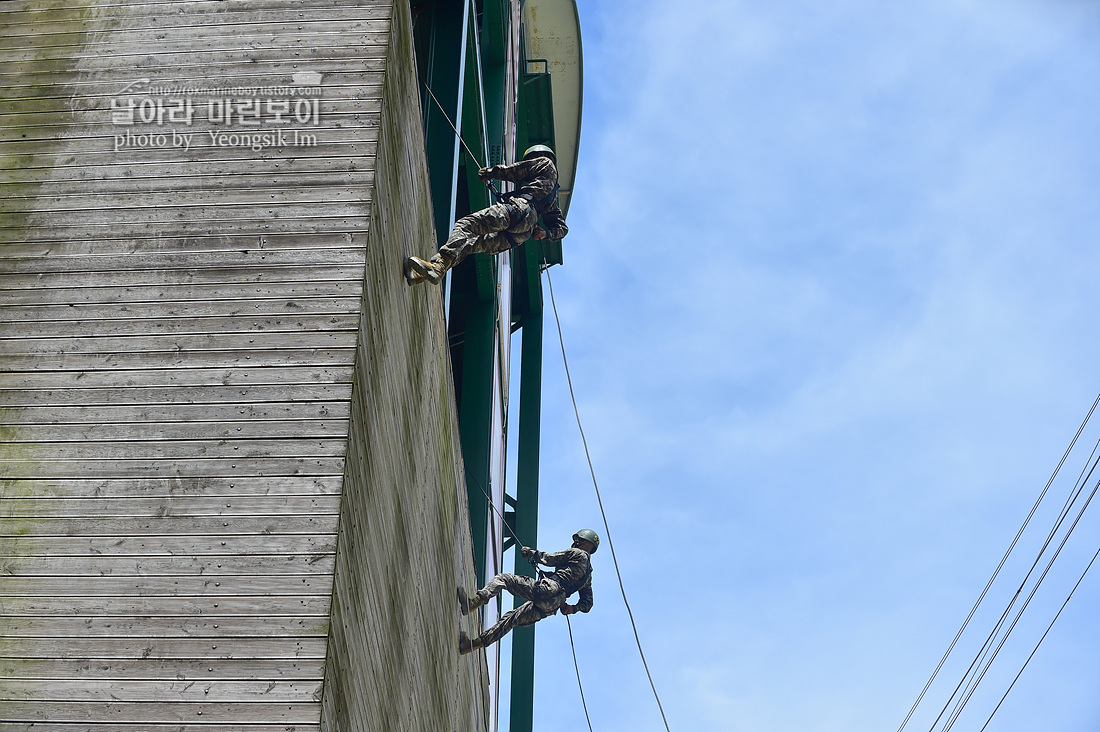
(577, 666)
(599, 500)
(490, 186)
(504, 523)
(474, 626)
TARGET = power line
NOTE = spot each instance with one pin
(599, 500)
(977, 680)
(1043, 638)
(995, 641)
(997, 571)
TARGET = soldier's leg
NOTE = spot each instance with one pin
(525, 614)
(480, 231)
(516, 584)
(469, 233)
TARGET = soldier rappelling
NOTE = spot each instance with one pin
(505, 224)
(545, 596)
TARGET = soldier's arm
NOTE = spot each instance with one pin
(555, 223)
(556, 559)
(513, 173)
(584, 603)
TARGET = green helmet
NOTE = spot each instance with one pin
(588, 535)
(536, 150)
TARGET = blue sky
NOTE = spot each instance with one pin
(830, 304)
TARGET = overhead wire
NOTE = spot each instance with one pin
(1000, 566)
(989, 650)
(599, 500)
(972, 687)
(1043, 638)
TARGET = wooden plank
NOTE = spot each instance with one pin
(231, 193)
(225, 19)
(209, 607)
(179, 468)
(156, 727)
(49, 347)
(204, 312)
(226, 57)
(342, 76)
(253, 258)
(233, 486)
(124, 327)
(166, 413)
(124, 647)
(212, 275)
(336, 148)
(229, 358)
(113, 432)
(159, 450)
(135, 396)
(228, 204)
(226, 544)
(340, 216)
(70, 184)
(121, 378)
(182, 170)
(39, 9)
(106, 245)
(167, 586)
(319, 286)
(93, 689)
(203, 529)
(138, 397)
(207, 39)
(316, 505)
(162, 627)
(128, 28)
(162, 712)
(150, 669)
(12, 228)
(343, 143)
(215, 566)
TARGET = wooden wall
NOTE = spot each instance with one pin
(228, 457)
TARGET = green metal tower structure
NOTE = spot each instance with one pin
(489, 69)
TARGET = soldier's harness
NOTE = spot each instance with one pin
(566, 591)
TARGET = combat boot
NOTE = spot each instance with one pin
(431, 270)
(465, 645)
(468, 605)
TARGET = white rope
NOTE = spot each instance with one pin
(599, 500)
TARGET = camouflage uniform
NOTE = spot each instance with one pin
(511, 222)
(544, 596)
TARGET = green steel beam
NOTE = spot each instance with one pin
(527, 300)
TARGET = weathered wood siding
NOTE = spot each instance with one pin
(227, 469)
(404, 539)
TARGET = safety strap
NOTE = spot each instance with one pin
(541, 205)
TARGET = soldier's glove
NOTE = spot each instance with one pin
(528, 553)
(486, 173)
(568, 609)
